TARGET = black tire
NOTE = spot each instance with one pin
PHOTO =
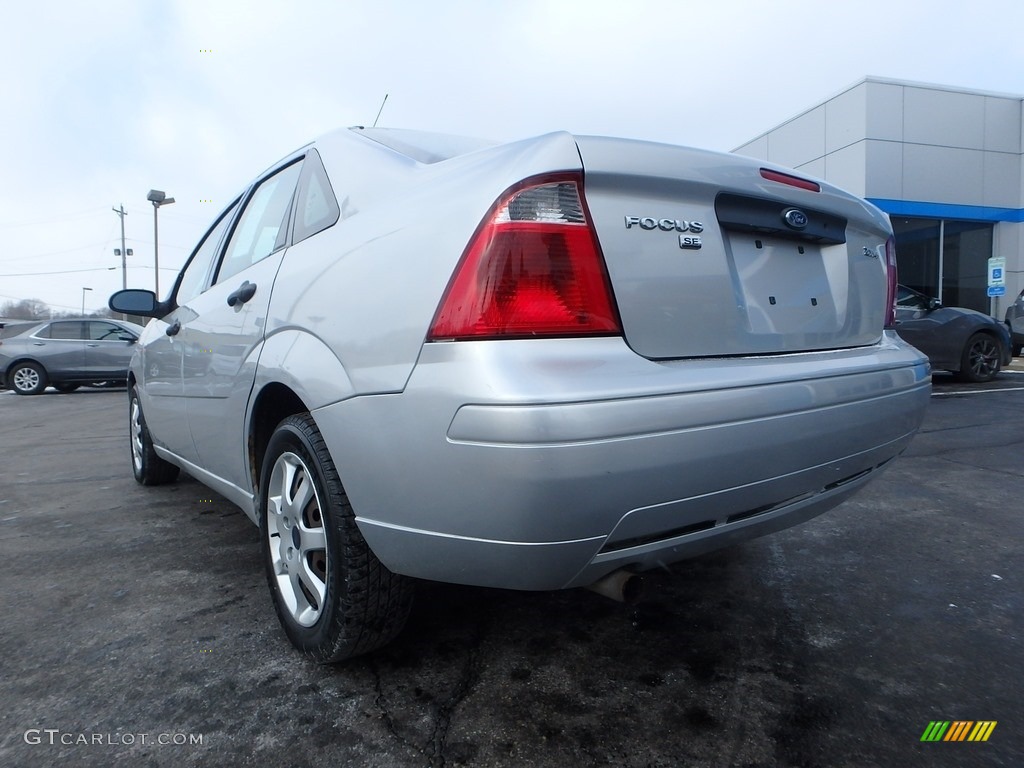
(981, 360)
(27, 378)
(334, 601)
(65, 388)
(148, 468)
(1017, 349)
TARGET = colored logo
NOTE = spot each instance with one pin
(958, 730)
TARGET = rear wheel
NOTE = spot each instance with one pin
(27, 378)
(334, 598)
(981, 359)
(148, 468)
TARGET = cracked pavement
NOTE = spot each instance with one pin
(132, 611)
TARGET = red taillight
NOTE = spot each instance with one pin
(533, 268)
(891, 281)
(793, 181)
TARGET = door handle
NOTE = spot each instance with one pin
(92, 345)
(173, 328)
(38, 343)
(245, 292)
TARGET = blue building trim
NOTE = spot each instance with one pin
(948, 210)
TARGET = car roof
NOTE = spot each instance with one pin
(423, 146)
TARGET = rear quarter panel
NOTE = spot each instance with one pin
(367, 288)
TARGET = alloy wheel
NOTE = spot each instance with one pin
(298, 539)
(136, 430)
(26, 379)
(984, 358)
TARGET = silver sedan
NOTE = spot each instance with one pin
(539, 365)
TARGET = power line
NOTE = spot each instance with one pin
(107, 244)
(68, 217)
(58, 253)
(92, 269)
(59, 272)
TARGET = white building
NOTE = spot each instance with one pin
(944, 163)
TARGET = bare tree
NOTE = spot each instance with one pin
(25, 309)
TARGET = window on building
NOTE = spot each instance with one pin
(917, 253)
(946, 259)
(966, 249)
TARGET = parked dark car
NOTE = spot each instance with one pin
(1015, 323)
(970, 344)
(65, 354)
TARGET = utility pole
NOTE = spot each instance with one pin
(124, 253)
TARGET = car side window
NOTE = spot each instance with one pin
(910, 300)
(65, 329)
(316, 206)
(194, 278)
(257, 233)
(100, 331)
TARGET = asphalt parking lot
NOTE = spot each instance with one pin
(137, 628)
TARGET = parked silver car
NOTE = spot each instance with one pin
(530, 366)
(65, 353)
(1015, 323)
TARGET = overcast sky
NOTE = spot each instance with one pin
(102, 101)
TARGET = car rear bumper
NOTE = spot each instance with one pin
(548, 464)
(1016, 337)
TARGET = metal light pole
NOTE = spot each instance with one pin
(84, 289)
(157, 198)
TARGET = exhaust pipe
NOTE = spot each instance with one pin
(622, 586)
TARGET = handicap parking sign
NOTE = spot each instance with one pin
(996, 273)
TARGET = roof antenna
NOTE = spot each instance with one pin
(380, 110)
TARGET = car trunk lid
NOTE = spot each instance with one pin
(708, 256)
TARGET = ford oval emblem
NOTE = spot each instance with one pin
(794, 218)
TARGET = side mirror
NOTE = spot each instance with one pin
(134, 301)
(934, 304)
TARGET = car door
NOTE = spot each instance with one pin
(161, 357)
(221, 339)
(60, 347)
(108, 350)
